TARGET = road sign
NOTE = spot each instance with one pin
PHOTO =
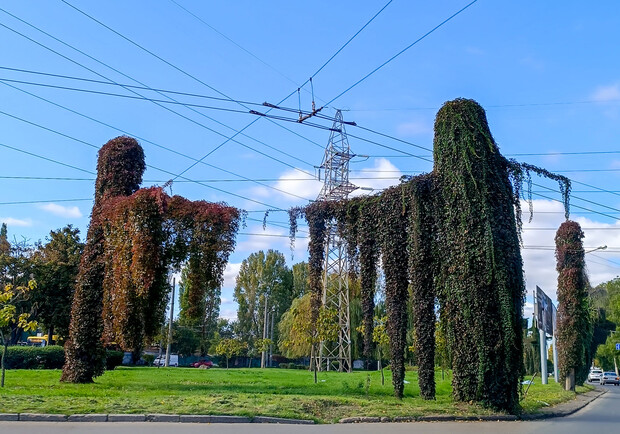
(617, 347)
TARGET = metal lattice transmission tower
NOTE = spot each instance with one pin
(336, 296)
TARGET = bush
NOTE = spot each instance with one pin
(50, 357)
(113, 359)
(148, 359)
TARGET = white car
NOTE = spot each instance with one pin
(161, 361)
(595, 375)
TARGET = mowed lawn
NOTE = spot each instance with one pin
(246, 392)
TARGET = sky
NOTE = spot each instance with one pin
(547, 74)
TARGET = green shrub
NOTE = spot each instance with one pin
(50, 357)
(113, 359)
(148, 359)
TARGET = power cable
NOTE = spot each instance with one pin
(306, 82)
(129, 89)
(127, 133)
(156, 168)
(399, 53)
(177, 69)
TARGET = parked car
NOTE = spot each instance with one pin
(161, 361)
(199, 363)
(610, 378)
(595, 375)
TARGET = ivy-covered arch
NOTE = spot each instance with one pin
(452, 237)
(134, 239)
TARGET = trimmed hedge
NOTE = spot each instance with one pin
(50, 357)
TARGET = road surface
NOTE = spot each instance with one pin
(600, 416)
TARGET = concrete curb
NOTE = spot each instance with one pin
(88, 418)
(266, 419)
(184, 418)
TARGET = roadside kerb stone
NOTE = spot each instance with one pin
(230, 419)
(267, 419)
(163, 418)
(9, 417)
(126, 418)
(194, 418)
(35, 417)
(88, 418)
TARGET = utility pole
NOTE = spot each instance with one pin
(336, 186)
(170, 325)
(263, 357)
(273, 314)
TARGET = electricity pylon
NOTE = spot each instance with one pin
(336, 186)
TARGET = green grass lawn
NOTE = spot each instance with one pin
(246, 392)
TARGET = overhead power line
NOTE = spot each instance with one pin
(237, 132)
(399, 53)
(153, 167)
(129, 134)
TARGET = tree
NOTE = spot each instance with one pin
(16, 270)
(574, 326)
(263, 279)
(230, 348)
(296, 329)
(301, 281)
(209, 305)
(9, 316)
(381, 339)
(56, 267)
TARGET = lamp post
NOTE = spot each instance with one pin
(598, 248)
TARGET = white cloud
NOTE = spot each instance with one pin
(230, 276)
(10, 221)
(62, 211)
(375, 177)
(607, 93)
(229, 314)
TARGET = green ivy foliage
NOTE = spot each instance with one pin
(422, 248)
(480, 283)
(392, 231)
(453, 237)
(573, 321)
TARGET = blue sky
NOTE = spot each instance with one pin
(546, 72)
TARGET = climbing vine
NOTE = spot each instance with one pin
(422, 271)
(453, 237)
(392, 230)
(481, 282)
(573, 323)
(135, 236)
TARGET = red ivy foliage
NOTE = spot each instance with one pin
(573, 323)
(133, 239)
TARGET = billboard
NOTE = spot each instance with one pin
(544, 311)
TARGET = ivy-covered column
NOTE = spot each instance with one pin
(480, 281)
(119, 173)
(392, 228)
(422, 270)
(573, 322)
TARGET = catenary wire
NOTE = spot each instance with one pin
(237, 132)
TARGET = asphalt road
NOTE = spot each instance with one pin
(600, 416)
